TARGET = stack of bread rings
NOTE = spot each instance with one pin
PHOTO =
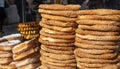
(97, 38)
(6, 60)
(26, 55)
(57, 36)
(29, 30)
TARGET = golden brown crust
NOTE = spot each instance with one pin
(30, 32)
(5, 54)
(28, 24)
(61, 7)
(58, 36)
(59, 64)
(99, 27)
(62, 29)
(58, 67)
(86, 32)
(25, 46)
(30, 36)
(57, 56)
(25, 54)
(89, 60)
(56, 51)
(97, 22)
(60, 48)
(96, 51)
(99, 12)
(109, 66)
(57, 61)
(28, 29)
(112, 44)
(5, 61)
(99, 47)
(91, 37)
(49, 31)
(11, 66)
(30, 66)
(88, 65)
(59, 18)
(56, 40)
(32, 59)
(56, 44)
(98, 17)
(105, 54)
(65, 13)
(58, 23)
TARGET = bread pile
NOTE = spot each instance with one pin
(97, 38)
(29, 30)
(26, 55)
(6, 60)
(57, 36)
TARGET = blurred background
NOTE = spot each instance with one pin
(13, 12)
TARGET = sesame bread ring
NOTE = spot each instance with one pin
(97, 22)
(99, 47)
(59, 64)
(90, 60)
(58, 23)
(65, 13)
(56, 51)
(56, 40)
(59, 18)
(93, 42)
(62, 29)
(57, 61)
(88, 65)
(96, 51)
(98, 17)
(60, 48)
(83, 67)
(99, 12)
(61, 7)
(57, 36)
(101, 55)
(60, 57)
(109, 66)
(56, 44)
(49, 31)
(99, 27)
(91, 37)
(58, 67)
(86, 32)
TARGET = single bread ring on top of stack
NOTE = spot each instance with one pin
(57, 36)
(97, 38)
